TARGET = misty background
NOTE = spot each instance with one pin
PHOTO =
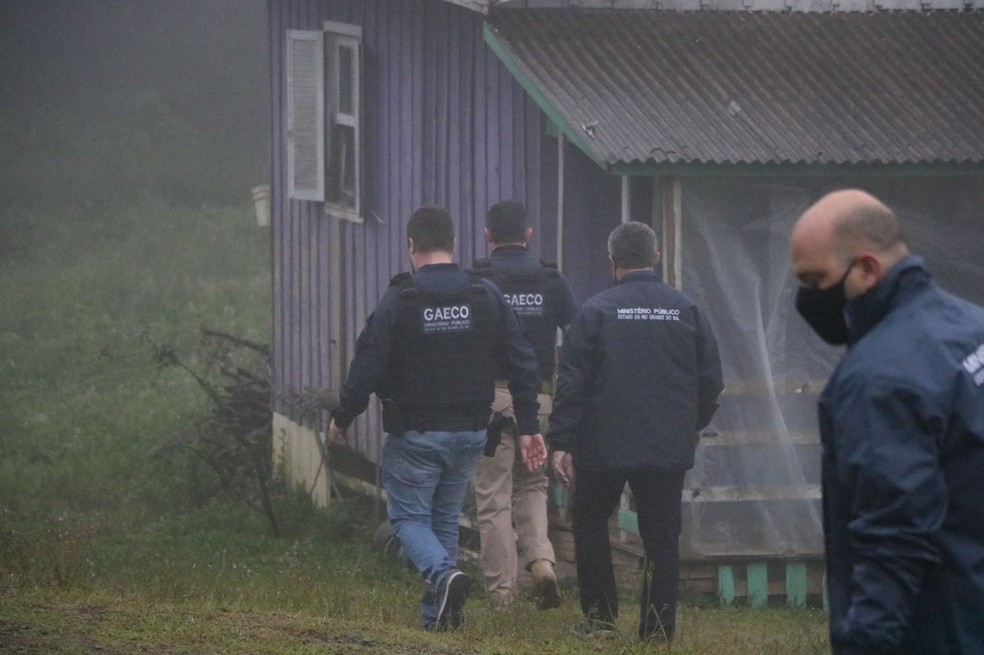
(111, 100)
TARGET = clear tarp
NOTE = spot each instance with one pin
(755, 487)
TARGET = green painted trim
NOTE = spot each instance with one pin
(796, 584)
(502, 52)
(726, 585)
(559, 495)
(758, 584)
(628, 521)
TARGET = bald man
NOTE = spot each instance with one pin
(902, 429)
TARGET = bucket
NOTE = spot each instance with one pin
(261, 204)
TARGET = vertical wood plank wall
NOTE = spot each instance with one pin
(444, 123)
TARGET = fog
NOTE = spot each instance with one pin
(120, 97)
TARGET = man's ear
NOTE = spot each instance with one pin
(410, 246)
(872, 269)
(488, 235)
(656, 259)
(528, 234)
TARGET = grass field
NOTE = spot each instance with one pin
(112, 542)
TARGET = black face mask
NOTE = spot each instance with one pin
(823, 310)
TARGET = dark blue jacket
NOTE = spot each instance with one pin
(555, 310)
(639, 374)
(369, 372)
(902, 427)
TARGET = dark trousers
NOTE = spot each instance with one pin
(657, 498)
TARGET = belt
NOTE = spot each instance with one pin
(545, 387)
(445, 424)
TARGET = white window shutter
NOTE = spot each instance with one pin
(306, 115)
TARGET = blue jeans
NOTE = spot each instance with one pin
(426, 475)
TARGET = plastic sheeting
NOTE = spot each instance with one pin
(755, 487)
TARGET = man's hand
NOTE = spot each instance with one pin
(336, 435)
(563, 466)
(534, 451)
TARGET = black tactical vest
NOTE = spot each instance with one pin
(537, 298)
(441, 369)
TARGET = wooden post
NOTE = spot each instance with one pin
(337, 347)
(561, 143)
(672, 223)
(626, 214)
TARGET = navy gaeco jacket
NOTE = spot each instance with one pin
(370, 371)
(902, 427)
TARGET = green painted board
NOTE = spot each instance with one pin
(628, 521)
(726, 585)
(758, 584)
(796, 584)
(560, 495)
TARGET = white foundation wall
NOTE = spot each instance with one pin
(297, 455)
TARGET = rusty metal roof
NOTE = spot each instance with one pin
(651, 88)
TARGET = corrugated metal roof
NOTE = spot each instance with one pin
(644, 88)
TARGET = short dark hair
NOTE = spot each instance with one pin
(506, 221)
(633, 245)
(431, 229)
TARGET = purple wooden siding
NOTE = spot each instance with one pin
(444, 123)
(591, 211)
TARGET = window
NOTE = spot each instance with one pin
(324, 130)
(305, 115)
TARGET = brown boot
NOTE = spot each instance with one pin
(545, 588)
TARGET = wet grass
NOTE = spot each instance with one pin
(110, 543)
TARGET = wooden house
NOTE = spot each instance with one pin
(716, 121)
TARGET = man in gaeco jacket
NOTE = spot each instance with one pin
(508, 497)
(902, 428)
(429, 351)
(639, 375)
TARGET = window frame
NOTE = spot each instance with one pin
(315, 170)
(338, 36)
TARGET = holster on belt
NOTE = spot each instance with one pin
(493, 433)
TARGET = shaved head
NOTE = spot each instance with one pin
(850, 220)
(838, 228)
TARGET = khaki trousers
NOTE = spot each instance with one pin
(512, 508)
